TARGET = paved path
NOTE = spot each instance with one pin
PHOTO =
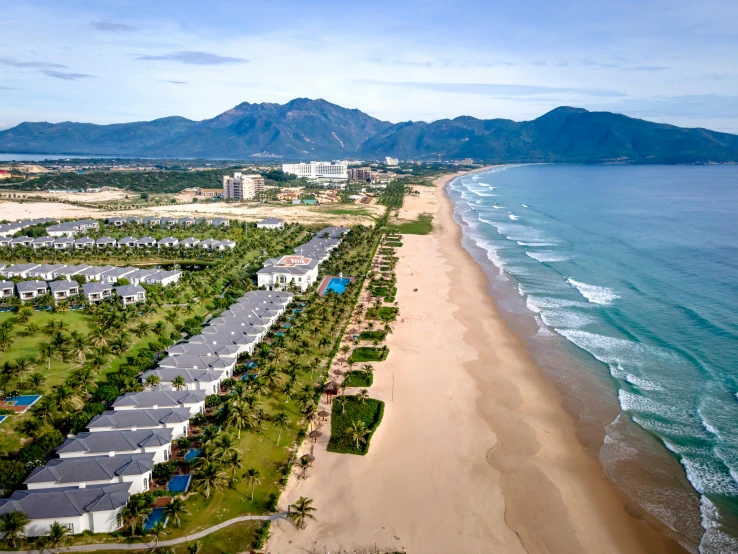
(150, 546)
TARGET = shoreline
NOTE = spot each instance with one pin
(476, 452)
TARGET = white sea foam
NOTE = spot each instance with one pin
(611, 350)
(543, 331)
(706, 424)
(526, 206)
(548, 256)
(496, 207)
(643, 384)
(566, 319)
(705, 475)
(513, 216)
(595, 294)
(536, 244)
(544, 302)
(714, 540)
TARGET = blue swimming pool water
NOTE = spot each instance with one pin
(23, 400)
(156, 515)
(3, 418)
(251, 364)
(192, 453)
(179, 483)
(337, 285)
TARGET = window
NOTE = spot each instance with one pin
(145, 487)
(118, 520)
(69, 526)
(166, 455)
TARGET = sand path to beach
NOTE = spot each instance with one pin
(475, 453)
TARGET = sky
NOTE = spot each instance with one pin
(131, 60)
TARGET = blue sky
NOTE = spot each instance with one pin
(130, 60)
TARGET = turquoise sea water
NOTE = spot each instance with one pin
(630, 274)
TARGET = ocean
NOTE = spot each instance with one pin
(623, 282)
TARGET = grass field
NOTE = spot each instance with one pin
(421, 226)
(370, 412)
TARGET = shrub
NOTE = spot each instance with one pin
(163, 470)
(370, 412)
(273, 501)
(212, 400)
(262, 535)
(358, 379)
(12, 472)
(368, 354)
(106, 393)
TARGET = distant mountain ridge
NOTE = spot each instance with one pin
(317, 129)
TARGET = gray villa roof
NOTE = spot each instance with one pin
(58, 503)
(129, 290)
(91, 288)
(115, 441)
(91, 468)
(128, 240)
(200, 349)
(84, 240)
(146, 240)
(4, 285)
(167, 375)
(106, 240)
(31, 286)
(63, 285)
(149, 399)
(141, 419)
(190, 240)
(271, 221)
(190, 361)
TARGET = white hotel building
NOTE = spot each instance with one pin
(318, 170)
(242, 186)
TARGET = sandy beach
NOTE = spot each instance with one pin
(475, 453)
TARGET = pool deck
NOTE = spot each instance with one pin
(10, 404)
(327, 279)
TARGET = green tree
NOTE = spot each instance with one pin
(179, 383)
(253, 476)
(301, 511)
(208, 478)
(281, 420)
(175, 509)
(12, 526)
(57, 536)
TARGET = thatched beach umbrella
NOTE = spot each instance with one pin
(337, 372)
(324, 413)
(315, 435)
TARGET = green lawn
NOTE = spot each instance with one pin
(421, 226)
(358, 379)
(372, 335)
(368, 354)
(385, 313)
(370, 412)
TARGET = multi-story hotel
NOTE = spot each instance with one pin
(242, 187)
(318, 170)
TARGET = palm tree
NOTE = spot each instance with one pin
(304, 463)
(32, 329)
(36, 380)
(362, 396)
(281, 421)
(175, 509)
(152, 381)
(98, 336)
(233, 461)
(301, 511)
(368, 369)
(193, 548)
(57, 536)
(142, 329)
(65, 397)
(159, 328)
(156, 531)
(358, 432)
(239, 416)
(12, 525)
(24, 314)
(271, 376)
(253, 476)
(179, 383)
(311, 414)
(209, 477)
(23, 366)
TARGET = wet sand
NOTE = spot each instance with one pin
(475, 453)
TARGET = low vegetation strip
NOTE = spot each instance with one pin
(358, 379)
(354, 421)
(421, 226)
(368, 354)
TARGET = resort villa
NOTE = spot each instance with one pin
(96, 292)
(280, 273)
(177, 420)
(111, 443)
(63, 289)
(28, 290)
(270, 223)
(131, 294)
(194, 401)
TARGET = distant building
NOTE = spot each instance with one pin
(392, 162)
(318, 170)
(242, 186)
(270, 223)
(212, 193)
(360, 174)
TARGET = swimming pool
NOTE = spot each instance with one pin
(179, 483)
(156, 515)
(3, 418)
(337, 285)
(192, 453)
(24, 401)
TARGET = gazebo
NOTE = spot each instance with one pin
(330, 389)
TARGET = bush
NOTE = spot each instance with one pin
(12, 472)
(370, 412)
(106, 393)
(358, 379)
(163, 470)
(273, 501)
(372, 335)
(262, 535)
(368, 354)
(212, 400)
(385, 313)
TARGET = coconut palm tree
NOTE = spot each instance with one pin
(32, 329)
(233, 461)
(36, 380)
(281, 420)
(304, 463)
(57, 536)
(301, 511)
(358, 432)
(368, 370)
(65, 397)
(253, 476)
(98, 336)
(23, 366)
(193, 548)
(311, 414)
(239, 416)
(179, 383)
(209, 477)
(175, 509)
(142, 329)
(156, 531)
(362, 395)
(152, 381)
(12, 526)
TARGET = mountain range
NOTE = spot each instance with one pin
(305, 129)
